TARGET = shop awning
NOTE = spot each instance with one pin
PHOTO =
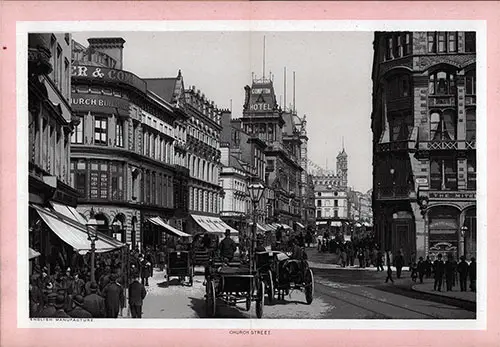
(170, 229)
(300, 225)
(69, 212)
(284, 226)
(366, 224)
(259, 227)
(215, 225)
(33, 254)
(269, 227)
(336, 224)
(320, 223)
(74, 233)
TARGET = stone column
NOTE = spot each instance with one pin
(420, 230)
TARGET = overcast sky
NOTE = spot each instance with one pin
(332, 79)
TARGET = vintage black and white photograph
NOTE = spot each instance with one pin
(252, 174)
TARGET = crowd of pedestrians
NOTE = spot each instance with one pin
(72, 294)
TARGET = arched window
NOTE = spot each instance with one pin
(398, 86)
(442, 83)
(443, 126)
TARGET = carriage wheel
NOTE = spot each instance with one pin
(270, 287)
(309, 286)
(259, 307)
(210, 299)
(248, 302)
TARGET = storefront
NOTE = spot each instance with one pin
(444, 227)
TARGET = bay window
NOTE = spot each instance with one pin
(98, 180)
(117, 178)
(79, 176)
(400, 125)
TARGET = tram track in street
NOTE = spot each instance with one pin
(380, 315)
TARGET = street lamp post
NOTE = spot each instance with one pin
(256, 191)
(463, 230)
(92, 236)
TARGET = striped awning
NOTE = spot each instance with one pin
(270, 227)
(74, 233)
(215, 225)
(300, 225)
(336, 224)
(320, 223)
(170, 229)
(259, 227)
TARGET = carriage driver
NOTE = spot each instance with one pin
(227, 247)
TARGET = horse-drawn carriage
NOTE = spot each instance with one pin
(233, 283)
(179, 264)
(281, 274)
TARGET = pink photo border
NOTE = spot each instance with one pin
(12, 12)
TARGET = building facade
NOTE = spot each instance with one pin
(263, 119)
(332, 198)
(50, 123)
(424, 148)
(128, 160)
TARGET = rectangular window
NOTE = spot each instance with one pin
(470, 84)
(147, 187)
(441, 42)
(318, 214)
(471, 173)
(470, 41)
(452, 41)
(444, 174)
(470, 124)
(79, 177)
(431, 42)
(407, 44)
(319, 203)
(101, 131)
(77, 135)
(119, 132)
(399, 46)
(388, 48)
(98, 180)
(153, 188)
(117, 191)
(335, 203)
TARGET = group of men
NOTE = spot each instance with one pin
(448, 271)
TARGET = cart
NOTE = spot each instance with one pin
(282, 274)
(232, 284)
(179, 265)
(203, 247)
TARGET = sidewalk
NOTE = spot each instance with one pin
(428, 288)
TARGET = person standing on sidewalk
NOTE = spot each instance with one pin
(438, 273)
(380, 260)
(472, 274)
(421, 267)
(389, 270)
(398, 263)
(428, 267)
(114, 297)
(463, 269)
(449, 270)
(137, 293)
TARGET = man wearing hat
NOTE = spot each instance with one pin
(227, 247)
(78, 311)
(50, 309)
(463, 269)
(137, 293)
(145, 270)
(113, 297)
(60, 313)
(94, 303)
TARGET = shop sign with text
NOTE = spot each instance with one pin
(86, 101)
(452, 195)
(110, 75)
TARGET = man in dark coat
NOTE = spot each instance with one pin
(472, 274)
(428, 267)
(137, 293)
(94, 303)
(114, 298)
(380, 260)
(389, 270)
(105, 278)
(449, 270)
(463, 269)
(60, 313)
(50, 307)
(421, 267)
(438, 272)
(145, 270)
(78, 311)
(227, 247)
(398, 263)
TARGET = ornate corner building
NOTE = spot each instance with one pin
(128, 149)
(424, 142)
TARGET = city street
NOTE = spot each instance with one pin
(339, 294)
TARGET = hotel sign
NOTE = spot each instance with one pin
(109, 75)
(452, 195)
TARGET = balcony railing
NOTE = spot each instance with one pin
(395, 146)
(442, 100)
(446, 145)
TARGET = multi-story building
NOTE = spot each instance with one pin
(424, 148)
(263, 119)
(50, 123)
(127, 156)
(243, 161)
(331, 198)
